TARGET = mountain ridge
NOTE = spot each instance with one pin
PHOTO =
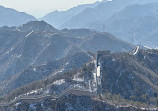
(17, 19)
(37, 43)
(57, 18)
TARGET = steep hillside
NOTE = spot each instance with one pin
(11, 17)
(133, 77)
(22, 49)
(128, 84)
(105, 41)
(66, 77)
(50, 69)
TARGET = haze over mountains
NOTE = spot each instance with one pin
(57, 18)
(81, 16)
(83, 59)
(11, 17)
(137, 21)
(116, 20)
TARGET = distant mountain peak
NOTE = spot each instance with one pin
(37, 26)
(11, 17)
(58, 18)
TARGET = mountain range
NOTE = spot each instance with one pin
(114, 17)
(36, 43)
(83, 59)
(137, 22)
(57, 18)
(99, 11)
(138, 28)
(11, 17)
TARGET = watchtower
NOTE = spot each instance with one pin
(101, 54)
(99, 67)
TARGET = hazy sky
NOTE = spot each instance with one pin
(39, 8)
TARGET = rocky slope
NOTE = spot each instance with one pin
(50, 69)
(133, 77)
